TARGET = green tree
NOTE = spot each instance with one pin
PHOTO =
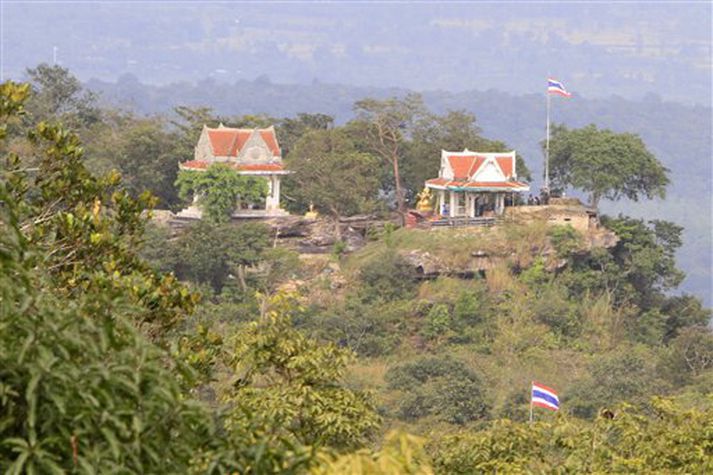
(89, 229)
(143, 150)
(638, 270)
(209, 253)
(292, 384)
(387, 276)
(455, 131)
(605, 164)
(332, 174)
(291, 129)
(82, 389)
(683, 311)
(220, 189)
(667, 438)
(60, 95)
(627, 375)
(384, 126)
(441, 387)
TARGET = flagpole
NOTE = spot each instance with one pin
(531, 383)
(547, 145)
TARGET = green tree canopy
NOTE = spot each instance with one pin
(60, 95)
(208, 253)
(605, 164)
(291, 129)
(384, 127)
(294, 384)
(455, 131)
(332, 174)
(219, 189)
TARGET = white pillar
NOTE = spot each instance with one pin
(452, 206)
(276, 191)
(269, 199)
(499, 203)
(441, 201)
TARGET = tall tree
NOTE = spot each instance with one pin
(143, 149)
(60, 95)
(605, 164)
(386, 125)
(332, 174)
(291, 129)
(209, 253)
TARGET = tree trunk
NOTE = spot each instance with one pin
(241, 278)
(594, 199)
(400, 203)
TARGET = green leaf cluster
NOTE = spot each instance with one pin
(220, 190)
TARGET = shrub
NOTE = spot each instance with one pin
(388, 276)
(438, 321)
(565, 239)
(440, 387)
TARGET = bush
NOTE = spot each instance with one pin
(629, 375)
(441, 387)
(438, 321)
(210, 253)
(367, 329)
(565, 239)
(388, 276)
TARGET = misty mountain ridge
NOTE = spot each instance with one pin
(596, 49)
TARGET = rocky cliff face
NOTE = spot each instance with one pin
(462, 252)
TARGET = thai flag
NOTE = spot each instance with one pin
(542, 396)
(556, 87)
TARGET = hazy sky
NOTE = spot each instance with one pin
(596, 48)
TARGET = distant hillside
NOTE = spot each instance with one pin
(678, 135)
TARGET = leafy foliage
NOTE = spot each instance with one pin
(220, 189)
(605, 164)
(330, 173)
(292, 384)
(441, 387)
(673, 440)
(387, 277)
(73, 298)
(60, 95)
(210, 253)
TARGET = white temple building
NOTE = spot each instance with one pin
(251, 152)
(473, 184)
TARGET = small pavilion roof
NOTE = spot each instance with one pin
(465, 185)
(228, 141)
(477, 171)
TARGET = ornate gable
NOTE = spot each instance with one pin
(489, 171)
(251, 151)
(255, 150)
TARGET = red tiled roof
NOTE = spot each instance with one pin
(265, 167)
(229, 142)
(254, 167)
(464, 166)
(506, 165)
(226, 143)
(269, 137)
(438, 181)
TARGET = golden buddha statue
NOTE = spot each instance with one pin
(424, 201)
(311, 214)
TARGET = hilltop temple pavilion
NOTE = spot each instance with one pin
(473, 184)
(251, 152)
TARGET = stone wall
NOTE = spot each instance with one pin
(578, 216)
